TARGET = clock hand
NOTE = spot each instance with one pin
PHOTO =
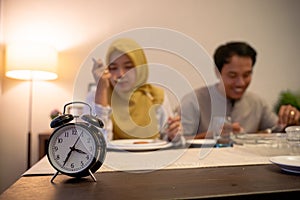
(75, 143)
(70, 152)
(68, 156)
(79, 151)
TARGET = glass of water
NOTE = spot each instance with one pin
(293, 139)
(222, 130)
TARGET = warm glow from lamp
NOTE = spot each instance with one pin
(31, 62)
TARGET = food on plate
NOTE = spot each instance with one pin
(140, 142)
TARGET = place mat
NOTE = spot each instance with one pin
(171, 159)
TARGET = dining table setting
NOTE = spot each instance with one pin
(153, 154)
(259, 166)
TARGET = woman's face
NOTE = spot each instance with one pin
(123, 72)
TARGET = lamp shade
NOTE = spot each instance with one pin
(31, 62)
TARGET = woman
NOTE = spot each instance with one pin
(130, 107)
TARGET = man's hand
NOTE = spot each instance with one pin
(288, 115)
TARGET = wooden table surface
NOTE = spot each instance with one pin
(236, 182)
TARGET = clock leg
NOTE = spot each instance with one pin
(92, 175)
(54, 177)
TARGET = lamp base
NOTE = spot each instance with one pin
(29, 149)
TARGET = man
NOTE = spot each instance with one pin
(249, 113)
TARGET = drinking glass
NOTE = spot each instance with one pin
(222, 131)
(293, 138)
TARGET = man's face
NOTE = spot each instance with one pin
(236, 76)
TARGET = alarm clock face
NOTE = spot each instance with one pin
(73, 149)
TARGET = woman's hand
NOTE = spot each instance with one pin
(174, 128)
(288, 115)
(97, 69)
(102, 76)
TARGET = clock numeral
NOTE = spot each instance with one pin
(74, 131)
(60, 140)
(82, 163)
(88, 140)
(57, 157)
(87, 157)
(72, 165)
(66, 134)
(91, 148)
(55, 148)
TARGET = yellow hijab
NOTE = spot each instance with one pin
(134, 113)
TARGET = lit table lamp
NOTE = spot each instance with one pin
(31, 62)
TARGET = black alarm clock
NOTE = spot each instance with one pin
(76, 149)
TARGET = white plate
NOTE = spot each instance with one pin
(201, 142)
(287, 163)
(256, 138)
(138, 144)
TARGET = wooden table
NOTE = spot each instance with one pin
(235, 182)
(236, 172)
